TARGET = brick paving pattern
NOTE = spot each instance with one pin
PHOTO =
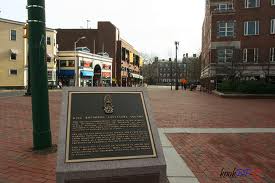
(207, 154)
(186, 109)
(19, 164)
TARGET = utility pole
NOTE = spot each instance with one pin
(171, 72)
(38, 70)
(157, 63)
(187, 67)
(88, 21)
(176, 61)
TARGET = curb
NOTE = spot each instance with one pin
(241, 95)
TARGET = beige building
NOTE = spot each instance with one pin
(13, 55)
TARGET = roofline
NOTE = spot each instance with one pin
(110, 59)
(131, 46)
(64, 29)
(21, 23)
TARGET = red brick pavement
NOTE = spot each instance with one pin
(175, 109)
(207, 154)
(18, 163)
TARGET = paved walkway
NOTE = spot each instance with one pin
(201, 134)
(208, 155)
(210, 133)
(185, 109)
(178, 171)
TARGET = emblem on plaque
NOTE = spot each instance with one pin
(108, 105)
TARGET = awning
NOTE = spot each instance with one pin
(14, 51)
(65, 73)
(87, 73)
(136, 76)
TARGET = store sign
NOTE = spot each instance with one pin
(106, 74)
(106, 67)
(88, 64)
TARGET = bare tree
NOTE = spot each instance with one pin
(149, 69)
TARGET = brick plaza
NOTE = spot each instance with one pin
(205, 154)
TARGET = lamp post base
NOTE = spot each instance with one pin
(42, 140)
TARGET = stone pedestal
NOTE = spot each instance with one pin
(141, 164)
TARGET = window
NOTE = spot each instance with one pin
(226, 29)
(225, 55)
(49, 59)
(272, 54)
(272, 2)
(13, 56)
(251, 28)
(63, 63)
(71, 63)
(251, 55)
(50, 75)
(225, 6)
(48, 40)
(66, 63)
(272, 26)
(252, 3)
(13, 35)
(13, 72)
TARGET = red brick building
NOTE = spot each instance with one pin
(238, 39)
(106, 38)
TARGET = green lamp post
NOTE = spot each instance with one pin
(38, 71)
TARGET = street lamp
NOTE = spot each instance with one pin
(75, 60)
(177, 77)
(88, 21)
(171, 72)
(42, 138)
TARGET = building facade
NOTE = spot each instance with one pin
(129, 65)
(106, 39)
(165, 75)
(238, 39)
(188, 68)
(89, 70)
(14, 54)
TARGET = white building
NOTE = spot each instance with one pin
(89, 70)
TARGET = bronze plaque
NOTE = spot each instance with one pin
(108, 126)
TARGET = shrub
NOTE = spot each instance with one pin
(249, 87)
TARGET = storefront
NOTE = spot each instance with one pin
(86, 78)
(83, 69)
(106, 78)
(52, 78)
(106, 74)
(124, 78)
(66, 77)
(136, 79)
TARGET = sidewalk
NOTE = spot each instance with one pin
(191, 140)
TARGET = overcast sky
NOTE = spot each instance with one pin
(151, 26)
